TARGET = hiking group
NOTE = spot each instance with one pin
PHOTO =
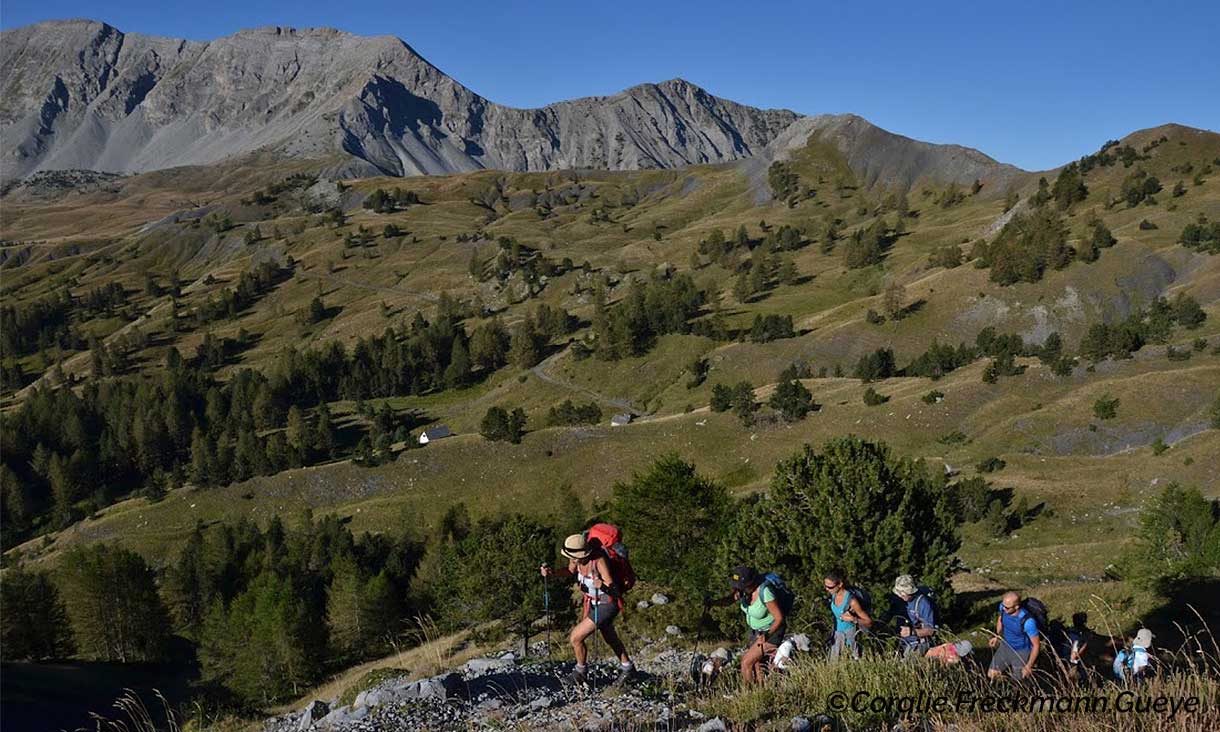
(598, 563)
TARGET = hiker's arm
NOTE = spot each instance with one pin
(777, 616)
(567, 571)
(1033, 655)
(994, 640)
(604, 578)
(857, 612)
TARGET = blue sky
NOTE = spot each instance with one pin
(1031, 83)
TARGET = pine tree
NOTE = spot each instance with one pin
(112, 599)
(494, 425)
(742, 289)
(458, 372)
(744, 404)
(298, 432)
(345, 615)
(267, 646)
(674, 518)
(851, 505)
(760, 278)
(186, 586)
(894, 300)
(792, 400)
(495, 548)
(525, 347)
(742, 239)
(489, 345)
(34, 625)
(722, 398)
(788, 273)
(324, 433)
(64, 488)
(14, 501)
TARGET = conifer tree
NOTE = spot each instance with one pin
(34, 624)
(852, 505)
(112, 600)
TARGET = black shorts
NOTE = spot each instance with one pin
(602, 614)
(773, 638)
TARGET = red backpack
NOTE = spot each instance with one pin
(610, 539)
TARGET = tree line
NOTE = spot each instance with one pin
(270, 610)
(66, 453)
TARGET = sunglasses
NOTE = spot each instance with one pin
(831, 588)
(1011, 609)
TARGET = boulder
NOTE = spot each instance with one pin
(801, 724)
(313, 711)
(360, 699)
(542, 702)
(489, 705)
(336, 717)
(715, 724)
(642, 605)
(445, 686)
(673, 630)
(659, 599)
(488, 665)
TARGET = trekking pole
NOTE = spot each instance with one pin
(596, 629)
(546, 611)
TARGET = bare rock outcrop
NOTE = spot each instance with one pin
(81, 94)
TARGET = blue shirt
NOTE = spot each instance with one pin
(1018, 629)
(920, 612)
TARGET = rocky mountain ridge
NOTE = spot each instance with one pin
(81, 94)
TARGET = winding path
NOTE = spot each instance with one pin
(541, 372)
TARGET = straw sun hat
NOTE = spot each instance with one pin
(576, 547)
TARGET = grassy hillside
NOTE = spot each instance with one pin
(199, 225)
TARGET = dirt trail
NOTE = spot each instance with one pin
(541, 372)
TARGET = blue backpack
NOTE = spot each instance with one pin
(783, 594)
(863, 596)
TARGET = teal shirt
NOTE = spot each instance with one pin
(838, 610)
(758, 615)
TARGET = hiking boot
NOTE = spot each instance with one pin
(578, 677)
(626, 675)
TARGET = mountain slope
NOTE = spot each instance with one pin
(880, 158)
(82, 94)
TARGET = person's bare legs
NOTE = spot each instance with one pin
(751, 662)
(580, 633)
(616, 644)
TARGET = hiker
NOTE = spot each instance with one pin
(588, 564)
(950, 653)
(761, 602)
(1071, 644)
(849, 607)
(914, 612)
(1134, 663)
(1016, 640)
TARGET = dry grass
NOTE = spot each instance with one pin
(426, 652)
(887, 692)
